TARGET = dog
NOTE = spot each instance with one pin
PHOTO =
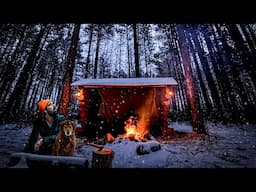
(66, 141)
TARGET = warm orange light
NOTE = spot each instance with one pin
(131, 130)
(79, 94)
(170, 93)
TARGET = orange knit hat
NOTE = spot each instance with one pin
(43, 103)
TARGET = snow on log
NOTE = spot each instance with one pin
(37, 161)
(146, 148)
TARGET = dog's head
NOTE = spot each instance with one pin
(68, 127)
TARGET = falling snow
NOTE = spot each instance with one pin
(226, 146)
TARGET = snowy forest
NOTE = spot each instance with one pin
(213, 64)
(36, 60)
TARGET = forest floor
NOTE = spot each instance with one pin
(225, 146)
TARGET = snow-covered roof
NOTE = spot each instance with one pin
(126, 82)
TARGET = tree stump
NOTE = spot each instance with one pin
(102, 158)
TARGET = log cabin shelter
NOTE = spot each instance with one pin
(135, 106)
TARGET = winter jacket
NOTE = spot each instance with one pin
(48, 134)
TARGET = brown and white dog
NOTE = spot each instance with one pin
(65, 143)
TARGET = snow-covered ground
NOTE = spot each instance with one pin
(226, 146)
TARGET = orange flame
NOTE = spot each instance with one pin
(132, 132)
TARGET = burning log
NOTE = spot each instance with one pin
(102, 158)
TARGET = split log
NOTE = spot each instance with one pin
(102, 158)
(42, 161)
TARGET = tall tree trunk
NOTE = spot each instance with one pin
(207, 71)
(221, 63)
(33, 97)
(51, 81)
(120, 55)
(247, 58)
(9, 73)
(89, 51)
(211, 42)
(195, 50)
(66, 91)
(197, 120)
(8, 48)
(10, 110)
(178, 68)
(30, 82)
(128, 51)
(136, 51)
(97, 55)
(252, 35)
(244, 108)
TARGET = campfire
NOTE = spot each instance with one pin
(134, 130)
(131, 129)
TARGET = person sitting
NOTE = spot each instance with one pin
(45, 129)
